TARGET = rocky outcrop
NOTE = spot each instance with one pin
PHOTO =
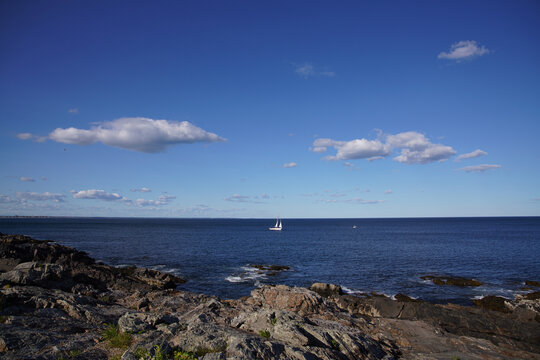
(326, 290)
(56, 302)
(451, 280)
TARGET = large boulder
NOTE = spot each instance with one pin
(34, 273)
(326, 290)
(296, 299)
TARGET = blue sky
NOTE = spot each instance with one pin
(260, 108)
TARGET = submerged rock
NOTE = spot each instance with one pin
(451, 280)
(532, 283)
(496, 303)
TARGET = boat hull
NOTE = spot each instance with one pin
(275, 229)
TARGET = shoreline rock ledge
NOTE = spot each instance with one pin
(58, 303)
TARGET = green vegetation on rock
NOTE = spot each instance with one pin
(115, 337)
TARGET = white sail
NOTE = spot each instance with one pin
(278, 225)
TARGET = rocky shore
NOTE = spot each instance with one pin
(58, 303)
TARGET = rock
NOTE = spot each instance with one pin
(34, 273)
(492, 303)
(269, 267)
(137, 322)
(326, 290)
(450, 280)
(214, 356)
(128, 355)
(300, 300)
(405, 298)
(532, 283)
(533, 295)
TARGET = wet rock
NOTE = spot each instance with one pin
(450, 280)
(532, 283)
(532, 296)
(496, 303)
(405, 298)
(326, 290)
(269, 267)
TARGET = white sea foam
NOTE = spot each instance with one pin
(249, 274)
(349, 291)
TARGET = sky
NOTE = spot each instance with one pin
(254, 109)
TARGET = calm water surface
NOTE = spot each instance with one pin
(382, 255)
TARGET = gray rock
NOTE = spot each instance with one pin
(137, 322)
(326, 290)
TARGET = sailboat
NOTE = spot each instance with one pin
(278, 225)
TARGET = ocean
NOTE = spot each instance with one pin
(388, 256)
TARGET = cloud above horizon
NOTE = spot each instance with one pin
(471, 155)
(28, 179)
(161, 200)
(307, 70)
(93, 194)
(462, 50)
(142, 190)
(136, 134)
(480, 168)
(257, 199)
(415, 148)
(33, 196)
(290, 165)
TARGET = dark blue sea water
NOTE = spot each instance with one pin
(382, 255)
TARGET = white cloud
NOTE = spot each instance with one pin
(25, 136)
(355, 201)
(28, 136)
(474, 154)
(99, 195)
(33, 196)
(290, 165)
(24, 178)
(479, 168)
(4, 199)
(246, 198)
(143, 190)
(137, 134)
(73, 111)
(161, 200)
(464, 50)
(415, 148)
(364, 201)
(307, 70)
(388, 192)
(238, 198)
(434, 152)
